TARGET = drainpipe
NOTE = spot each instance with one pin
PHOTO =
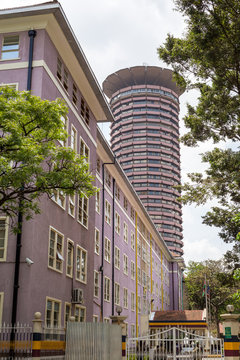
(113, 245)
(31, 34)
(173, 294)
(103, 222)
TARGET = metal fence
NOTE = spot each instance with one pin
(15, 342)
(175, 344)
(93, 341)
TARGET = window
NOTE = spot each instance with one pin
(132, 240)
(73, 138)
(96, 283)
(107, 212)
(106, 289)
(117, 294)
(139, 275)
(55, 251)
(71, 205)
(98, 202)
(117, 223)
(133, 301)
(80, 313)
(132, 213)
(10, 47)
(3, 238)
(117, 257)
(81, 264)
(85, 112)
(125, 203)
(83, 211)
(74, 94)
(97, 242)
(67, 313)
(125, 298)
(125, 232)
(59, 198)
(139, 245)
(98, 165)
(65, 79)
(108, 178)
(125, 264)
(53, 313)
(107, 249)
(59, 69)
(1, 306)
(95, 318)
(139, 304)
(65, 128)
(69, 265)
(84, 150)
(117, 192)
(132, 270)
(133, 332)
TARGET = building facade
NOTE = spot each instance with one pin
(89, 255)
(145, 140)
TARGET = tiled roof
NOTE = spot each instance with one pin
(176, 315)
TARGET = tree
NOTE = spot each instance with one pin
(221, 282)
(33, 161)
(207, 58)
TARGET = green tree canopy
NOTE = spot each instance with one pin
(207, 58)
(221, 283)
(32, 159)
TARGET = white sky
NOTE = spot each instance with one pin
(115, 34)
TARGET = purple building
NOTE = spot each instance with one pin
(145, 140)
(89, 255)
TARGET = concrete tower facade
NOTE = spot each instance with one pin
(145, 140)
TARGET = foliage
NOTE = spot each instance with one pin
(207, 57)
(32, 161)
(221, 283)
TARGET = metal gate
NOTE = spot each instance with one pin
(175, 344)
(15, 342)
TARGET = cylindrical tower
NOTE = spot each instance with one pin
(145, 140)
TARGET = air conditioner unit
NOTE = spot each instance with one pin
(77, 296)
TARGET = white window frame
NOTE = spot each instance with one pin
(117, 293)
(125, 298)
(5, 240)
(96, 284)
(132, 240)
(11, 51)
(95, 318)
(133, 301)
(83, 209)
(117, 257)
(97, 241)
(132, 330)
(125, 232)
(69, 265)
(117, 223)
(84, 150)
(59, 198)
(108, 212)
(81, 272)
(107, 250)
(53, 301)
(66, 319)
(106, 289)
(73, 138)
(139, 304)
(72, 205)
(80, 308)
(133, 270)
(97, 202)
(57, 255)
(125, 264)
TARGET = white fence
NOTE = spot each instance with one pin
(15, 342)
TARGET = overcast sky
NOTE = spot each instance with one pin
(116, 34)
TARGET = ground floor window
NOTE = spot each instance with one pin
(53, 313)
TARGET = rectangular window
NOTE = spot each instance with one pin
(81, 264)
(74, 94)
(132, 330)
(139, 275)
(139, 246)
(3, 238)
(107, 249)
(125, 203)
(108, 178)
(73, 138)
(85, 112)
(133, 301)
(55, 251)
(10, 47)
(69, 265)
(71, 205)
(132, 213)
(125, 264)
(139, 304)
(59, 198)
(125, 232)
(117, 192)
(1, 306)
(53, 313)
(98, 165)
(80, 313)
(95, 318)
(117, 294)
(97, 242)
(96, 283)
(125, 298)
(83, 210)
(98, 202)
(106, 289)
(132, 270)
(59, 69)
(117, 223)
(117, 257)
(65, 79)
(84, 150)
(67, 313)
(108, 212)
(132, 240)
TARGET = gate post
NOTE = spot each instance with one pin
(119, 320)
(37, 336)
(231, 330)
